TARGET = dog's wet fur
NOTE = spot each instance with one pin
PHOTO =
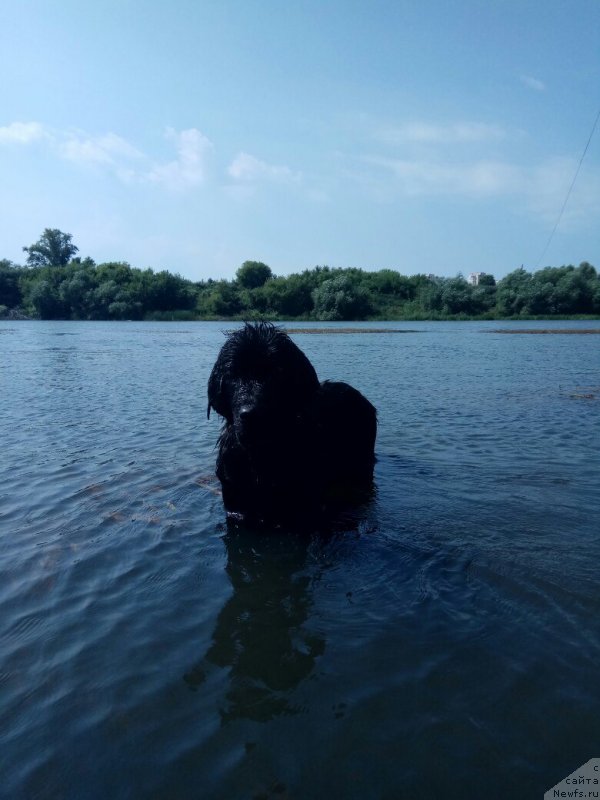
(290, 447)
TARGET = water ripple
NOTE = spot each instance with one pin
(444, 636)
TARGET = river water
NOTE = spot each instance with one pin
(442, 642)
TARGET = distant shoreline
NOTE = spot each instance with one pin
(352, 330)
(545, 330)
(84, 290)
(17, 316)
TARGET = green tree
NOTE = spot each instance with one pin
(221, 299)
(429, 296)
(457, 296)
(576, 290)
(390, 283)
(389, 292)
(340, 298)
(168, 292)
(513, 292)
(10, 290)
(75, 293)
(483, 296)
(253, 274)
(53, 249)
(290, 296)
(46, 300)
(102, 297)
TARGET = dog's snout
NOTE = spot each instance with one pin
(247, 413)
(248, 423)
(249, 418)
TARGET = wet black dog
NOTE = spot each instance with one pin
(290, 446)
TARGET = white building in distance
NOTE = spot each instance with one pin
(475, 277)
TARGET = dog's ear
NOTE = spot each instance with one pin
(217, 396)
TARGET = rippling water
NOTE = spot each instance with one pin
(445, 642)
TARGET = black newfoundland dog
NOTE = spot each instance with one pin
(290, 446)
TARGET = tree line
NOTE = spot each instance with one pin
(55, 283)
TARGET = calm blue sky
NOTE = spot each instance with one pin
(425, 136)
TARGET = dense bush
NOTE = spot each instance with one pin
(81, 289)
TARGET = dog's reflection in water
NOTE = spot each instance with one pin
(260, 635)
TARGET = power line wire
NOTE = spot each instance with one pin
(564, 205)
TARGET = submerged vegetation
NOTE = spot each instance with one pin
(56, 284)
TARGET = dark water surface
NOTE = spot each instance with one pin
(444, 643)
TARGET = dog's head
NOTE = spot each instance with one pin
(261, 382)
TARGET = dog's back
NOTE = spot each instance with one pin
(346, 427)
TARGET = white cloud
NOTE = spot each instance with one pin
(427, 133)
(431, 177)
(190, 167)
(130, 165)
(533, 83)
(245, 167)
(113, 153)
(546, 186)
(539, 189)
(108, 149)
(432, 161)
(22, 133)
